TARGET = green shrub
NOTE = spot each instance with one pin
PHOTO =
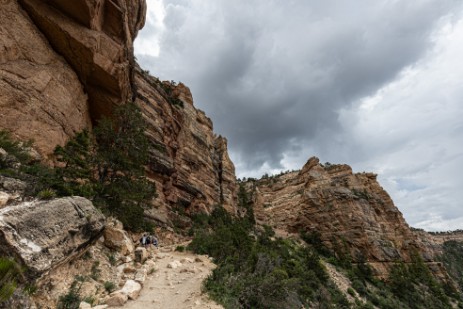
(359, 287)
(180, 248)
(256, 271)
(112, 259)
(314, 239)
(72, 299)
(10, 275)
(89, 300)
(95, 271)
(351, 292)
(109, 286)
(46, 194)
(17, 150)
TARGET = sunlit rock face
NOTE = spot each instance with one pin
(352, 213)
(96, 39)
(41, 96)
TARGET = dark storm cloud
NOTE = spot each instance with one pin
(273, 75)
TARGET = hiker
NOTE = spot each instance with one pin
(154, 241)
(143, 240)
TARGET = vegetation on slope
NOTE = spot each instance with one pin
(257, 270)
(106, 166)
(453, 260)
(10, 275)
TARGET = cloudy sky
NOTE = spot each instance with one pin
(375, 84)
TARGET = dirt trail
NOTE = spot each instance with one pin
(176, 283)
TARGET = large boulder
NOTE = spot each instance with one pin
(118, 239)
(11, 190)
(132, 289)
(43, 234)
(117, 299)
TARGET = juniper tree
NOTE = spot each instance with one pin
(109, 167)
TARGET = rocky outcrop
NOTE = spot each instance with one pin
(118, 240)
(96, 39)
(189, 163)
(44, 234)
(41, 97)
(352, 213)
(11, 190)
(48, 98)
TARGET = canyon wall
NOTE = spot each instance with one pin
(352, 213)
(65, 64)
(189, 163)
(41, 97)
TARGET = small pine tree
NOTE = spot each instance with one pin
(122, 153)
(77, 171)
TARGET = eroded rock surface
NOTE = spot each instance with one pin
(44, 234)
(352, 212)
(41, 97)
(96, 39)
(189, 163)
(49, 98)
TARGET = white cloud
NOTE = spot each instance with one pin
(152, 32)
(410, 132)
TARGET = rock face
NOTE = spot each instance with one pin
(11, 190)
(351, 212)
(49, 99)
(41, 96)
(189, 163)
(96, 39)
(44, 234)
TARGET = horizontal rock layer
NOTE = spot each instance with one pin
(189, 163)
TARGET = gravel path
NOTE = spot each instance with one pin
(176, 283)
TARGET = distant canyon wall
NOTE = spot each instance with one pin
(351, 211)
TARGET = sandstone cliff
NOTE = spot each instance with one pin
(352, 212)
(41, 96)
(189, 163)
(64, 64)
